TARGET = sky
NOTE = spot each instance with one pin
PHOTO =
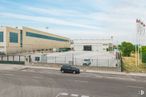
(77, 19)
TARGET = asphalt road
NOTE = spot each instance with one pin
(48, 83)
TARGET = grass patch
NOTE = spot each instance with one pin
(129, 65)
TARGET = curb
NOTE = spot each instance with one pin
(21, 67)
(92, 71)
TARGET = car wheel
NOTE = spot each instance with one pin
(74, 72)
(62, 71)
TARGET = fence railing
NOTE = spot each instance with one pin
(107, 62)
(98, 63)
(10, 59)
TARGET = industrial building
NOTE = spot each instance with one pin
(14, 40)
(92, 44)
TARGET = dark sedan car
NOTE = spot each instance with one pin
(69, 69)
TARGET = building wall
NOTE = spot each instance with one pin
(34, 43)
(30, 43)
(97, 45)
(12, 47)
(3, 43)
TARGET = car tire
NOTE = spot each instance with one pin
(62, 71)
(74, 72)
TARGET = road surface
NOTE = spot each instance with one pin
(49, 83)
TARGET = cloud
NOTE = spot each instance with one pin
(52, 11)
(116, 17)
(46, 20)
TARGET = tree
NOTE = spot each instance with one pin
(126, 48)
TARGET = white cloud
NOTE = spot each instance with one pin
(115, 18)
(46, 20)
(52, 11)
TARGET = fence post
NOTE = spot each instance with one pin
(19, 58)
(13, 57)
(74, 61)
(97, 62)
(7, 58)
(2, 58)
(55, 59)
(108, 62)
(65, 59)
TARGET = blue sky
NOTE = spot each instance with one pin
(76, 19)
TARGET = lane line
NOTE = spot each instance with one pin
(74, 95)
(84, 96)
(62, 94)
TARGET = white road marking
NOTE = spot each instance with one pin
(62, 94)
(71, 95)
(84, 96)
(65, 94)
(74, 95)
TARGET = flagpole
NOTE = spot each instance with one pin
(137, 43)
(139, 38)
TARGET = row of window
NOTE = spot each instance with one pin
(44, 36)
(14, 37)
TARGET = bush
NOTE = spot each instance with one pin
(144, 54)
(144, 57)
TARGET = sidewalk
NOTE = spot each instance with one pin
(21, 67)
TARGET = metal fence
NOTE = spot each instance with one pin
(10, 59)
(101, 61)
(108, 62)
(98, 64)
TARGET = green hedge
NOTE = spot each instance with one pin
(144, 57)
(12, 62)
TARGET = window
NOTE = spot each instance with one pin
(37, 58)
(30, 34)
(13, 37)
(87, 48)
(1, 37)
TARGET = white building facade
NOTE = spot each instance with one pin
(98, 45)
